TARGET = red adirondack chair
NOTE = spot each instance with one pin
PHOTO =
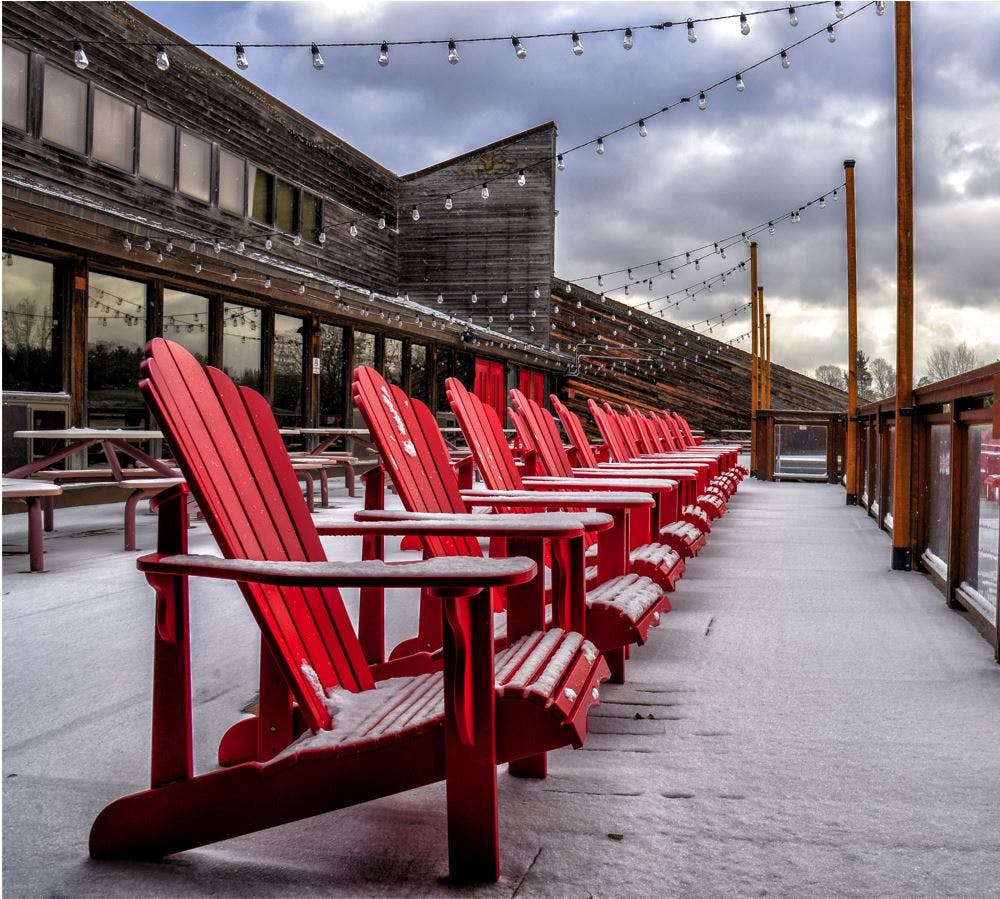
(624, 448)
(496, 463)
(619, 610)
(583, 455)
(327, 735)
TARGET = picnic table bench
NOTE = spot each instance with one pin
(32, 492)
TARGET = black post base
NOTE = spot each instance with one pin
(901, 559)
(852, 499)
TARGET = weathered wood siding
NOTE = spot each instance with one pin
(505, 243)
(706, 380)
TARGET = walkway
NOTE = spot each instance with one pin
(805, 723)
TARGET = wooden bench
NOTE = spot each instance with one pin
(32, 492)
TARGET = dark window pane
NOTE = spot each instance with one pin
(394, 361)
(241, 346)
(286, 207)
(442, 371)
(116, 335)
(30, 326)
(310, 216)
(331, 376)
(15, 87)
(288, 370)
(261, 184)
(185, 321)
(465, 370)
(364, 348)
(418, 371)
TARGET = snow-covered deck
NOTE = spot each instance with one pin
(805, 722)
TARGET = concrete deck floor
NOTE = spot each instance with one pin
(805, 723)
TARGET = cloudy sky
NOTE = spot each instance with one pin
(698, 176)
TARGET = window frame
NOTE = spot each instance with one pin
(217, 181)
(87, 114)
(28, 85)
(91, 121)
(178, 131)
(138, 145)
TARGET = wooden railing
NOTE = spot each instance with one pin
(955, 486)
(796, 445)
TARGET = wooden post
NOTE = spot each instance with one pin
(767, 354)
(851, 450)
(753, 359)
(902, 553)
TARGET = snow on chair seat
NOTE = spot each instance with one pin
(659, 562)
(633, 600)
(686, 538)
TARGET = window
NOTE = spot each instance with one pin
(64, 110)
(288, 347)
(364, 349)
(241, 345)
(232, 183)
(312, 216)
(939, 493)
(286, 215)
(30, 325)
(113, 131)
(156, 149)
(15, 87)
(331, 375)
(394, 361)
(116, 335)
(982, 520)
(262, 195)
(418, 371)
(185, 321)
(195, 167)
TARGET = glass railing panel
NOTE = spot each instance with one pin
(938, 498)
(982, 520)
(800, 451)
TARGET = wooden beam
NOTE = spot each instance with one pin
(902, 552)
(851, 452)
(767, 354)
(753, 358)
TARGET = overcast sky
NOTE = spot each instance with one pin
(698, 175)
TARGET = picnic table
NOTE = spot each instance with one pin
(113, 441)
(32, 492)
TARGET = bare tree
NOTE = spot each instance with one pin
(945, 362)
(832, 375)
(883, 378)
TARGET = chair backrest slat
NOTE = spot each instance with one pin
(228, 447)
(605, 424)
(539, 423)
(484, 433)
(574, 430)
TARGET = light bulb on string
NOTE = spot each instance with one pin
(193, 247)
(162, 60)
(834, 195)
(537, 294)
(692, 37)
(697, 265)
(353, 230)
(474, 298)
(147, 244)
(448, 202)
(880, 7)
(383, 55)
(560, 163)
(577, 46)
(838, 9)
(600, 146)
(268, 243)
(740, 86)
(793, 18)
(321, 237)
(786, 63)
(317, 58)
(452, 53)
(232, 275)
(241, 58)
(643, 131)
(301, 288)
(521, 179)
(170, 246)
(673, 277)
(628, 43)
(297, 240)
(831, 35)
(770, 228)
(503, 298)
(600, 280)
(415, 213)
(241, 246)
(440, 298)
(702, 101)
(485, 192)
(822, 202)
(79, 56)
(217, 246)
(519, 50)
(197, 268)
(744, 24)
(267, 283)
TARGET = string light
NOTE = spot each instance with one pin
(744, 24)
(452, 53)
(786, 63)
(127, 244)
(628, 42)
(702, 101)
(317, 58)
(519, 50)
(415, 213)
(643, 131)
(692, 37)
(162, 60)
(302, 287)
(241, 57)
(353, 230)
(831, 35)
(521, 178)
(793, 18)
(383, 55)
(448, 202)
(880, 7)
(838, 9)
(79, 56)
(577, 45)
(485, 192)
(560, 163)
(600, 146)
(740, 86)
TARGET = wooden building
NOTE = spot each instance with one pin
(141, 200)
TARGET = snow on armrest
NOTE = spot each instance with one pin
(549, 524)
(594, 499)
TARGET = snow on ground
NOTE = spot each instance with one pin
(805, 722)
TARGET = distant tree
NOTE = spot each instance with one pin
(945, 362)
(832, 375)
(883, 378)
(864, 377)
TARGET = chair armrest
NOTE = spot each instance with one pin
(598, 499)
(443, 573)
(554, 525)
(626, 481)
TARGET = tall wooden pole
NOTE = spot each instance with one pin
(767, 358)
(851, 450)
(761, 354)
(753, 358)
(902, 554)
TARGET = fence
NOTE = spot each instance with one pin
(955, 485)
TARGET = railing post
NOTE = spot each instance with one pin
(902, 553)
(754, 461)
(850, 452)
(767, 354)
